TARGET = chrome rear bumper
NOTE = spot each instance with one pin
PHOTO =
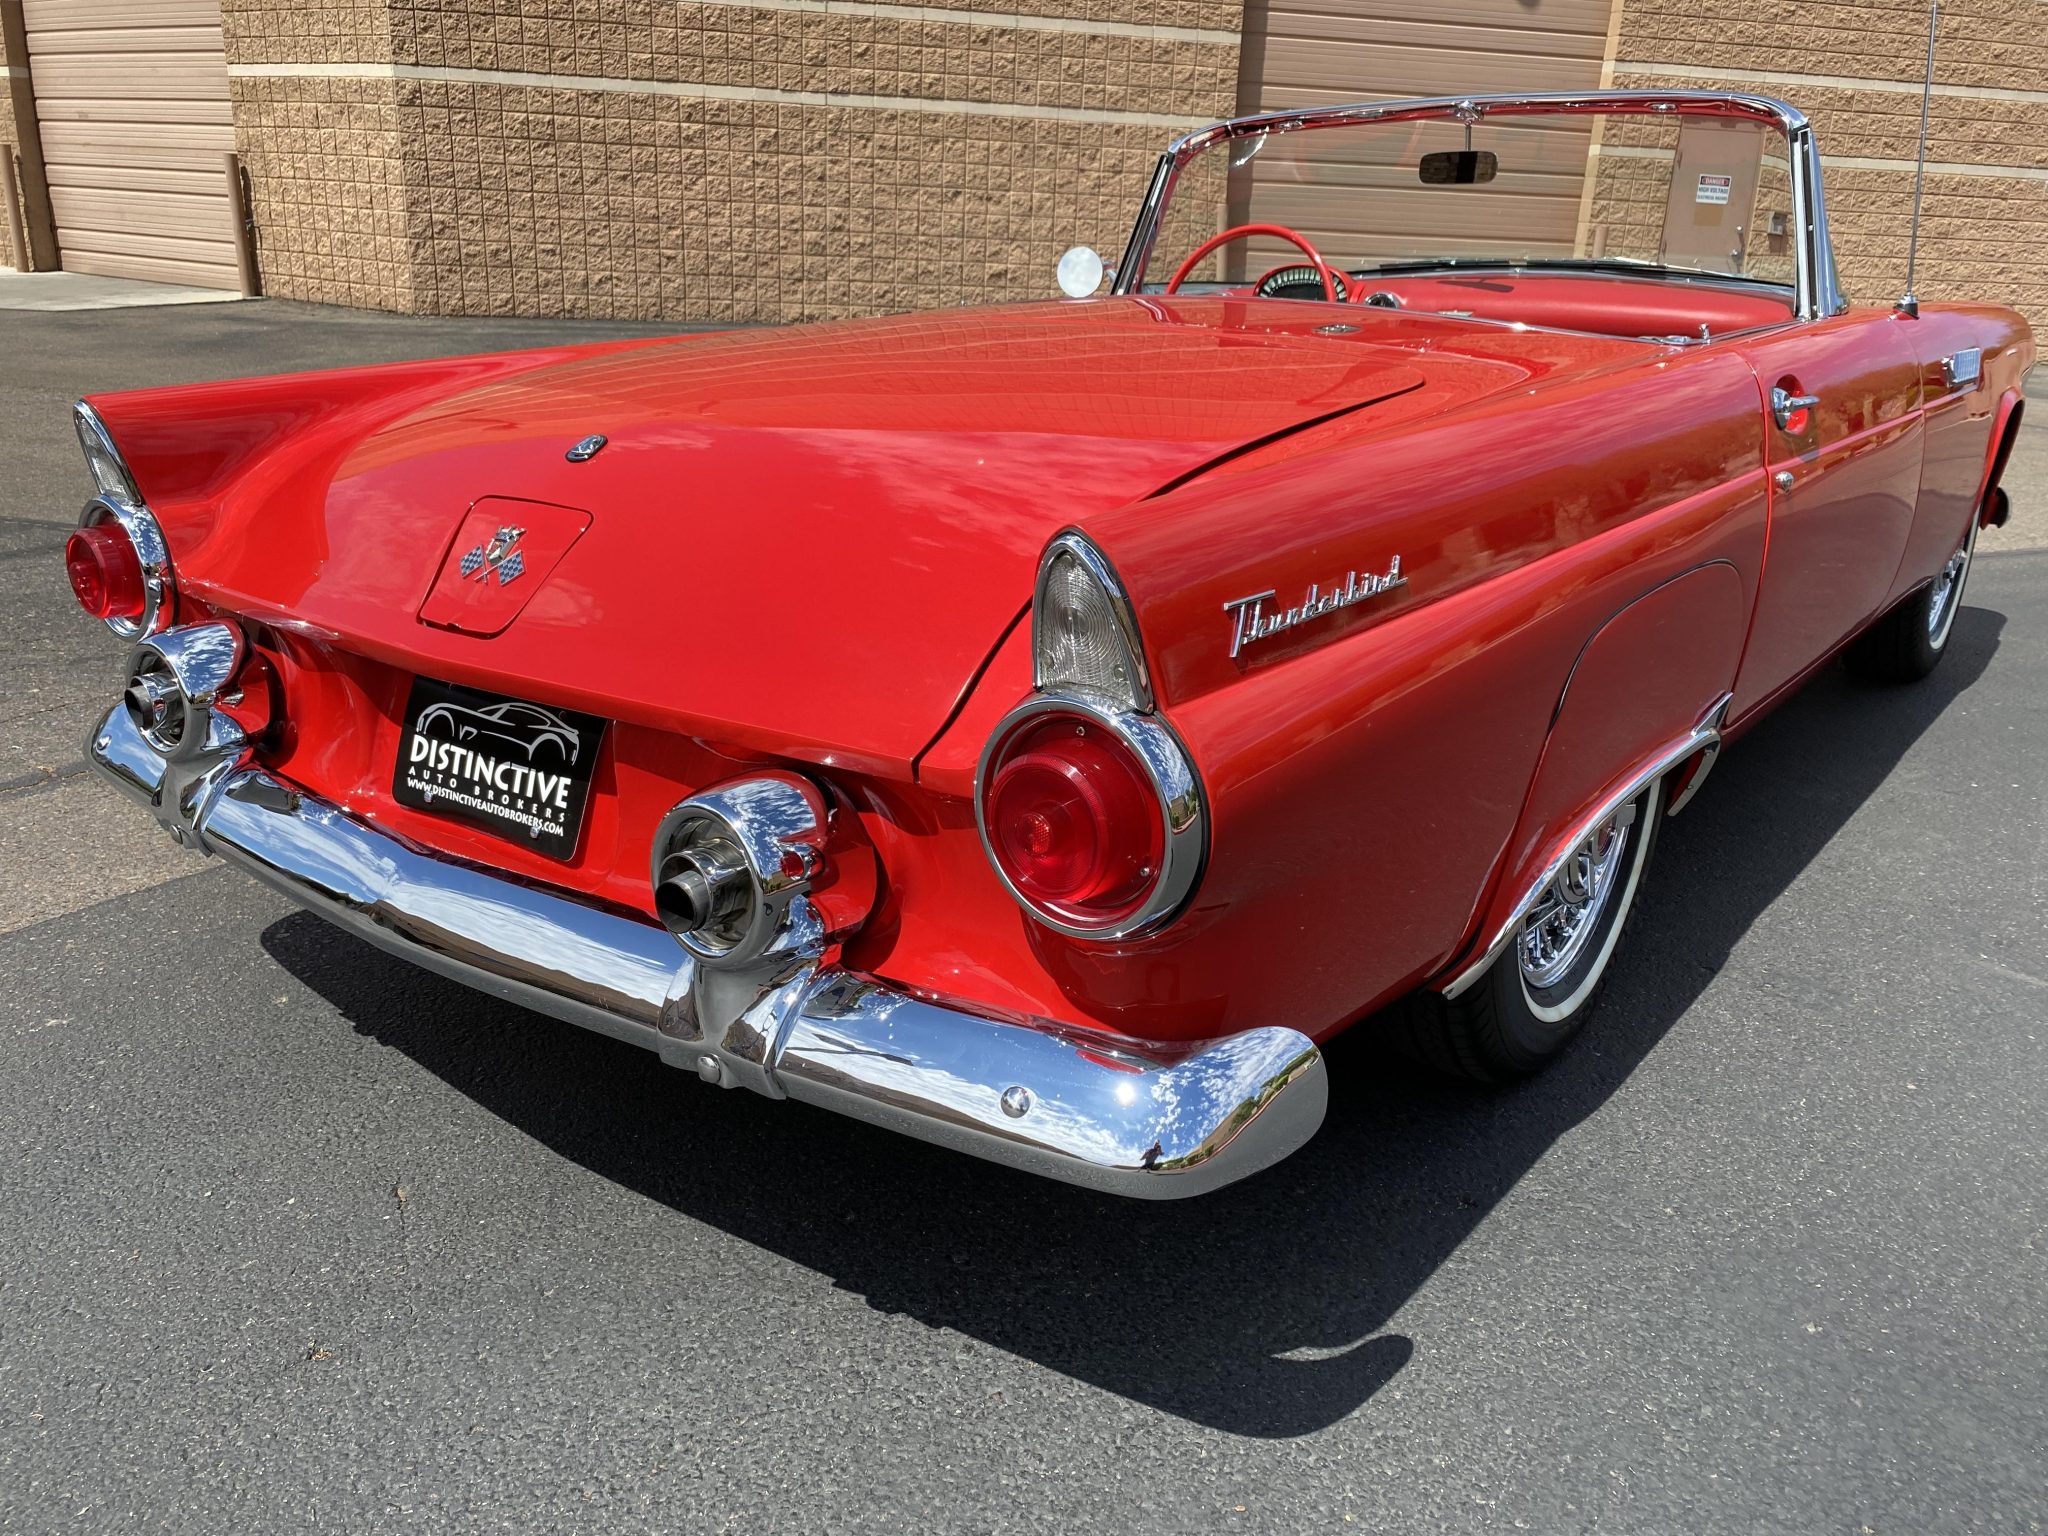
(1029, 1093)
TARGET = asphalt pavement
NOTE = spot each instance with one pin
(296, 1237)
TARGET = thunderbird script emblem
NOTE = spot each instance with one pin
(501, 555)
(1251, 619)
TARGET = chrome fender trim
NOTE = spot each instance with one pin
(1030, 1093)
(1703, 741)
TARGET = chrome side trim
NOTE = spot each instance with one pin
(1174, 782)
(1818, 290)
(1703, 737)
(1710, 754)
(1032, 1094)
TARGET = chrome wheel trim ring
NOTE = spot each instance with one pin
(1556, 930)
(1946, 596)
(1599, 876)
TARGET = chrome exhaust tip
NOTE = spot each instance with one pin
(705, 887)
(176, 682)
(762, 869)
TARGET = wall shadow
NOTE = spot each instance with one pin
(1259, 1310)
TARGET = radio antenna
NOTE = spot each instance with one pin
(1909, 302)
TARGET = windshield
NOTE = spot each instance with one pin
(1664, 192)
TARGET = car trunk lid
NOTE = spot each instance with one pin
(803, 541)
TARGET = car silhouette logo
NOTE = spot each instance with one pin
(501, 555)
(534, 733)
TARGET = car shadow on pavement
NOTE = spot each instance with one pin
(1258, 1310)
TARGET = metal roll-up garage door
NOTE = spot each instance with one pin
(132, 100)
(1300, 53)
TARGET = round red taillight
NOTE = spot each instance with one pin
(1073, 821)
(105, 572)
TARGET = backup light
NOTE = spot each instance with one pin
(109, 472)
(1084, 636)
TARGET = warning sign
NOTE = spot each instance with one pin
(1714, 189)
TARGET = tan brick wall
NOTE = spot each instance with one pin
(326, 165)
(1983, 236)
(620, 184)
(1983, 42)
(494, 197)
(307, 31)
(635, 206)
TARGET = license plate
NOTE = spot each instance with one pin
(517, 769)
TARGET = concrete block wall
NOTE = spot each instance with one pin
(755, 162)
(1856, 69)
(775, 160)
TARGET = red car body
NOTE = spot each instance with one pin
(813, 552)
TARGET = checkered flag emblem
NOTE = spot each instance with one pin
(498, 555)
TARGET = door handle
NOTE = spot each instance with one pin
(1792, 412)
(1784, 479)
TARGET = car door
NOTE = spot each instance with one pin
(1960, 413)
(1842, 444)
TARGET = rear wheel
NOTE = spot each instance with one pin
(1542, 987)
(1906, 644)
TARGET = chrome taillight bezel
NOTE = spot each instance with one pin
(1176, 787)
(159, 584)
(120, 503)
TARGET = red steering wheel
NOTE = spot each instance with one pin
(1278, 231)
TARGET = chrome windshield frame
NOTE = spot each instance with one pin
(1817, 291)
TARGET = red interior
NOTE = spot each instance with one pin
(1607, 304)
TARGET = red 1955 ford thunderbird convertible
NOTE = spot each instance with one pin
(1036, 728)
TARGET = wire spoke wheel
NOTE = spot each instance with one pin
(1566, 916)
(1946, 596)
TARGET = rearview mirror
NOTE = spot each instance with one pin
(1459, 167)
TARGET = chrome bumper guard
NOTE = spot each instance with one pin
(1032, 1094)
